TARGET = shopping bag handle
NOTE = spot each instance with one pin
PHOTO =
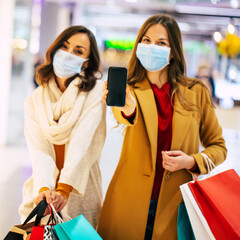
(55, 214)
(209, 163)
(38, 211)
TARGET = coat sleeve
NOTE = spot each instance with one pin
(119, 117)
(210, 134)
(41, 151)
(86, 143)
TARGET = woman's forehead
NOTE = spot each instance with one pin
(79, 39)
(157, 31)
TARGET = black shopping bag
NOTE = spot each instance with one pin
(20, 232)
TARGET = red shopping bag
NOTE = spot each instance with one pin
(45, 232)
(218, 198)
(37, 233)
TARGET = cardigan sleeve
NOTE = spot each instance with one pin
(41, 151)
(86, 143)
(210, 134)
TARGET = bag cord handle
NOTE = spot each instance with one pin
(209, 162)
(39, 211)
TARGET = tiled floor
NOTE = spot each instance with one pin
(16, 165)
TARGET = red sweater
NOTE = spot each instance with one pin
(165, 114)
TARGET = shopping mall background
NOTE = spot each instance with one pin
(210, 28)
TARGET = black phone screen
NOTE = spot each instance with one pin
(117, 82)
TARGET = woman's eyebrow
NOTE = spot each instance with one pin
(78, 46)
(163, 39)
(158, 39)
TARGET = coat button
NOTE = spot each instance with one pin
(167, 176)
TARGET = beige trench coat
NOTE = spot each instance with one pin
(125, 209)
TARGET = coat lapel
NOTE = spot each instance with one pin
(146, 99)
(181, 118)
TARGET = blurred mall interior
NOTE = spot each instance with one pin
(211, 40)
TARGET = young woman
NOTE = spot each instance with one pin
(166, 114)
(65, 128)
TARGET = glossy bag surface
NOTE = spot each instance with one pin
(75, 229)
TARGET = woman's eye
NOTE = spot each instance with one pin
(146, 40)
(64, 46)
(78, 52)
(161, 43)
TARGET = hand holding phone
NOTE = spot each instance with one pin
(116, 85)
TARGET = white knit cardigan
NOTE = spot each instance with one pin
(82, 154)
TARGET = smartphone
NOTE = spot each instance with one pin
(116, 85)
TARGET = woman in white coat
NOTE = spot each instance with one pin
(65, 128)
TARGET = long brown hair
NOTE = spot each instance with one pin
(45, 71)
(177, 65)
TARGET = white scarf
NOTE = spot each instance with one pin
(58, 112)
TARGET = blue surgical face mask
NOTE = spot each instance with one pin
(152, 57)
(66, 64)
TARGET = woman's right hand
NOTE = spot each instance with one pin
(58, 200)
(130, 103)
(44, 195)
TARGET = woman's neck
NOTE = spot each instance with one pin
(61, 83)
(158, 78)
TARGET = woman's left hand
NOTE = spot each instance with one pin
(176, 160)
(59, 200)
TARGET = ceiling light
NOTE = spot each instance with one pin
(234, 3)
(20, 43)
(214, 1)
(231, 29)
(217, 37)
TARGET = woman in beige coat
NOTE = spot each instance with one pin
(166, 115)
(65, 128)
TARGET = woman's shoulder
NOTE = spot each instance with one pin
(95, 94)
(97, 89)
(29, 100)
(197, 90)
(99, 85)
(196, 86)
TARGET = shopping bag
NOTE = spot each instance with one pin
(75, 229)
(212, 202)
(45, 232)
(199, 224)
(20, 232)
(184, 227)
(49, 233)
(218, 198)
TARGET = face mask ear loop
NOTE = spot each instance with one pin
(83, 68)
